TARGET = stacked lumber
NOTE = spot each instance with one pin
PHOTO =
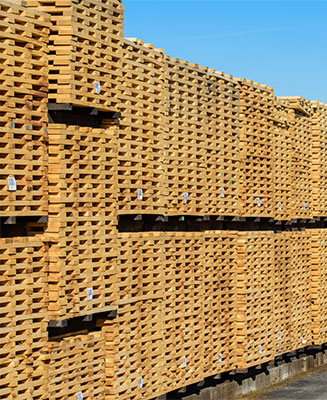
(23, 318)
(219, 301)
(292, 291)
(283, 195)
(319, 285)
(185, 153)
(141, 129)
(81, 227)
(84, 51)
(77, 367)
(255, 343)
(222, 151)
(319, 157)
(23, 110)
(301, 131)
(256, 149)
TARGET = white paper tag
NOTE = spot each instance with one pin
(97, 87)
(304, 205)
(139, 194)
(280, 335)
(220, 357)
(184, 362)
(12, 187)
(79, 396)
(139, 383)
(89, 293)
(260, 349)
(303, 341)
(222, 192)
(280, 207)
(185, 197)
(258, 202)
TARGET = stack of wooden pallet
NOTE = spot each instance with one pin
(318, 285)
(23, 318)
(23, 118)
(292, 291)
(319, 157)
(185, 156)
(141, 129)
(85, 51)
(183, 311)
(256, 149)
(77, 367)
(134, 351)
(81, 228)
(282, 162)
(255, 341)
(222, 151)
(219, 301)
(301, 173)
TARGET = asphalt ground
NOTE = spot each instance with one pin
(310, 387)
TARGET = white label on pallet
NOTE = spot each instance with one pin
(222, 192)
(259, 202)
(303, 341)
(260, 349)
(280, 335)
(89, 293)
(280, 207)
(79, 396)
(304, 205)
(97, 87)
(220, 357)
(185, 197)
(12, 187)
(184, 362)
(139, 383)
(139, 194)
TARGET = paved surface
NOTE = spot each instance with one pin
(312, 387)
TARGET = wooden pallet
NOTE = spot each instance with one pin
(85, 51)
(23, 110)
(256, 149)
(255, 299)
(77, 367)
(222, 140)
(82, 219)
(302, 171)
(141, 129)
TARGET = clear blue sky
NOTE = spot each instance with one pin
(279, 43)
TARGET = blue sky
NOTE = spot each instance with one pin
(279, 43)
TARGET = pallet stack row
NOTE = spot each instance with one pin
(227, 300)
(133, 131)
